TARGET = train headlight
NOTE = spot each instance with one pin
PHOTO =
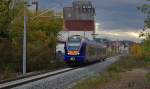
(78, 53)
(68, 53)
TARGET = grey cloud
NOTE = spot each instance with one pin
(111, 14)
(119, 14)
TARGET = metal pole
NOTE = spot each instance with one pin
(68, 34)
(36, 3)
(24, 42)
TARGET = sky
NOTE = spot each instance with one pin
(115, 19)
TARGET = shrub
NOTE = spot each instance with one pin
(136, 51)
(147, 78)
(39, 58)
(147, 58)
(9, 58)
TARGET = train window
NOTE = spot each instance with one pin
(104, 51)
(73, 43)
(92, 51)
(73, 47)
(74, 39)
(101, 51)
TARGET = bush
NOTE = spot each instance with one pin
(39, 58)
(9, 58)
(6, 54)
(136, 51)
(147, 58)
(147, 78)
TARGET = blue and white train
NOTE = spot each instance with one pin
(80, 50)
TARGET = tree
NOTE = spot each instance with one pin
(146, 43)
(5, 20)
(42, 35)
(146, 10)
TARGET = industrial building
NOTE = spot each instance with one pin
(80, 16)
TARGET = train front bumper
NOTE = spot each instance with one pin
(78, 59)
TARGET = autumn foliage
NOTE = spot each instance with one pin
(136, 51)
(141, 51)
(41, 38)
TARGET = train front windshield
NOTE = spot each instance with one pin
(73, 46)
(74, 43)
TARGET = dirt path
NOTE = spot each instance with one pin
(134, 79)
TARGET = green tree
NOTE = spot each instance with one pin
(146, 10)
(41, 36)
(146, 43)
(5, 17)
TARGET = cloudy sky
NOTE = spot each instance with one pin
(116, 19)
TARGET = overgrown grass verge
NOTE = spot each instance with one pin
(9, 73)
(112, 74)
(147, 78)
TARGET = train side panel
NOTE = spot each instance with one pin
(95, 52)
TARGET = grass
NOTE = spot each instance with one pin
(112, 73)
(147, 78)
(10, 73)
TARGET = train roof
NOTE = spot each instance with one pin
(78, 37)
(84, 39)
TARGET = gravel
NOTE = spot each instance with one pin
(67, 79)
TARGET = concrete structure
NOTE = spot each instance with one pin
(79, 17)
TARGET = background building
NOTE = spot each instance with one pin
(79, 17)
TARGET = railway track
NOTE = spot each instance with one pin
(58, 79)
(27, 79)
(7, 84)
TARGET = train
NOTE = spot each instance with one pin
(80, 50)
